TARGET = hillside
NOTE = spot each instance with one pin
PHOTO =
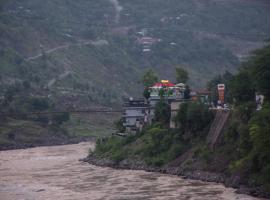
(88, 53)
(92, 46)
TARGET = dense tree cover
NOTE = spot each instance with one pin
(163, 112)
(181, 75)
(259, 68)
(193, 118)
(161, 145)
(249, 128)
(241, 88)
(253, 77)
(149, 78)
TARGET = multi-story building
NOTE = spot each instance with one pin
(140, 112)
(171, 92)
(136, 114)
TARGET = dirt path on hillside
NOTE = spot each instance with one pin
(66, 46)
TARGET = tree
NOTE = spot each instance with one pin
(260, 71)
(26, 84)
(193, 117)
(161, 93)
(149, 78)
(241, 88)
(163, 112)
(10, 92)
(187, 93)
(39, 104)
(146, 93)
(181, 75)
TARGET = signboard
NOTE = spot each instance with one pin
(221, 93)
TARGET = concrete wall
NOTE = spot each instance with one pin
(133, 114)
(174, 109)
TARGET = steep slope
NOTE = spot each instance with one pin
(97, 48)
(88, 53)
(50, 45)
(97, 42)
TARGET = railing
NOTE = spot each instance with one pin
(217, 127)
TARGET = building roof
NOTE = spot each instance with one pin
(168, 84)
(131, 103)
(180, 85)
(147, 40)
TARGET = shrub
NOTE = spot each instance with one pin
(119, 125)
(39, 104)
(176, 150)
(156, 141)
(118, 156)
(110, 145)
(61, 118)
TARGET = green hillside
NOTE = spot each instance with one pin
(85, 46)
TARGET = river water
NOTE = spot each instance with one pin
(55, 173)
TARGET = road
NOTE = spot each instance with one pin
(66, 46)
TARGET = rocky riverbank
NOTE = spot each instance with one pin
(205, 176)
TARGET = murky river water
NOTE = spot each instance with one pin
(54, 173)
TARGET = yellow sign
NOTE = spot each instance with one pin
(165, 81)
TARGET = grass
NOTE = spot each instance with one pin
(86, 126)
(21, 132)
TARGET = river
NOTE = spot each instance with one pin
(55, 173)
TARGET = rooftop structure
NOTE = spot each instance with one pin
(167, 89)
(147, 40)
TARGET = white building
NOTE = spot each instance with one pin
(137, 113)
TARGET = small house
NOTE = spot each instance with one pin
(202, 96)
